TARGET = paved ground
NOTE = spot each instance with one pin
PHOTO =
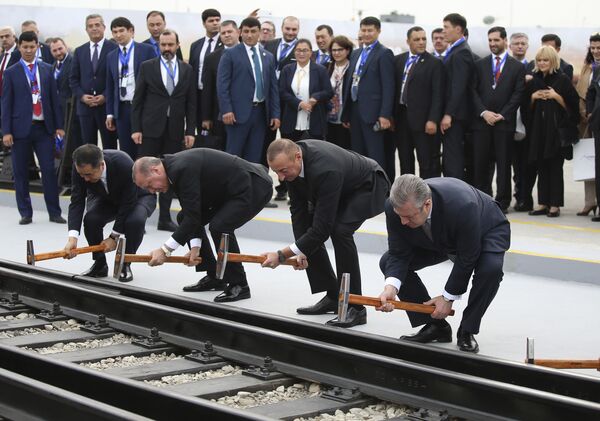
(550, 291)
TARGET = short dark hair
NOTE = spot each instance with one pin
(304, 41)
(552, 37)
(371, 20)
(327, 27)
(343, 41)
(210, 13)
(456, 19)
(28, 36)
(121, 22)
(250, 23)
(500, 29)
(229, 22)
(57, 39)
(589, 57)
(437, 31)
(88, 154)
(168, 31)
(413, 29)
(156, 13)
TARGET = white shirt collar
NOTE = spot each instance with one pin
(301, 169)
(128, 46)
(100, 43)
(249, 49)
(11, 49)
(305, 67)
(452, 45)
(500, 55)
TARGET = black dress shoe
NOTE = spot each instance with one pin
(126, 274)
(596, 219)
(233, 293)
(324, 306)
(208, 283)
(354, 317)
(522, 207)
(58, 219)
(537, 212)
(431, 333)
(466, 342)
(98, 270)
(271, 205)
(281, 196)
(25, 220)
(554, 214)
(167, 226)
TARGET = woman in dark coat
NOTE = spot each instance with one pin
(552, 116)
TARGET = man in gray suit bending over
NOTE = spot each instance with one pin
(431, 221)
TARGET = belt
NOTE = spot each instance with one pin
(257, 103)
(41, 122)
(126, 102)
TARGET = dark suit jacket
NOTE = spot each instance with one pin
(339, 186)
(272, 46)
(204, 180)
(47, 56)
(151, 101)
(376, 87)
(62, 82)
(424, 89)
(464, 222)
(504, 99)
(459, 70)
(157, 49)
(17, 105)
(565, 67)
(141, 53)
(195, 50)
(235, 83)
(83, 79)
(15, 56)
(209, 106)
(319, 88)
(122, 192)
(592, 105)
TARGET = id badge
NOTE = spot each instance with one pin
(355, 80)
(35, 98)
(123, 82)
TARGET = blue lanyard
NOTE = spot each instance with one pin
(594, 66)
(408, 64)
(322, 58)
(31, 74)
(156, 47)
(57, 71)
(456, 44)
(496, 69)
(124, 59)
(364, 55)
(171, 75)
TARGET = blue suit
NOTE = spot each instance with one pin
(235, 89)
(17, 120)
(375, 99)
(84, 81)
(121, 110)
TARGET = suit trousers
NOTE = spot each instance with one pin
(246, 140)
(597, 164)
(95, 122)
(43, 144)
(426, 146)
(453, 156)
(365, 140)
(126, 144)
(338, 135)
(522, 172)
(100, 212)
(488, 143)
(551, 186)
(226, 218)
(485, 283)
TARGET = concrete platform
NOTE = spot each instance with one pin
(550, 292)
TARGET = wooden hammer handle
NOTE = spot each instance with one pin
(62, 253)
(568, 363)
(145, 258)
(251, 258)
(400, 305)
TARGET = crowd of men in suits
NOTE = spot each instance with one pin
(240, 86)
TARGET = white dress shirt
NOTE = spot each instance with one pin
(163, 71)
(100, 44)
(249, 51)
(130, 77)
(300, 85)
(204, 54)
(39, 83)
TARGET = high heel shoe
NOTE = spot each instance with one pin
(587, 209)
(554, 214)
(536, 212)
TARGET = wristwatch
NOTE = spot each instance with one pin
(280, 256)
(166, 250)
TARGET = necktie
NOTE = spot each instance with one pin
(284, 49)
(260, 96)
(57, 69)
(170, 81)
(324, 59)
(124, 71)
(363, 58)
(427, 230)
(497, 73)
(299, 78)
(403, 94)
(207, 51)
(201, 62)
(95, 58)
(37, 107)
(4, 60)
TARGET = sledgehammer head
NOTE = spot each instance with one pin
(222, 255)
(119, 257)
(30, 253)
(343, 297)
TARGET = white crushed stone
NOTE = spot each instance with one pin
(376, 412)
(20, 316)
(61, 326)
(130, 361)
(225, 371)
(76, 346)
(268, 397)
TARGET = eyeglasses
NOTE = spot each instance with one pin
(303, 51)
(338, 50)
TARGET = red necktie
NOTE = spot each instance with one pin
(37, 107)
(4, 60)
(498, 71)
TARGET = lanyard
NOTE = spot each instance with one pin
(594, 66)
(124, 59)
(409, 62)
(322, 57)
(171, 75)
(155, 45)
(57, 70)
(364, 55)
(456, 44)
(496, 70)
(31, 74)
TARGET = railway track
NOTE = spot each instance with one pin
(85, 347)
